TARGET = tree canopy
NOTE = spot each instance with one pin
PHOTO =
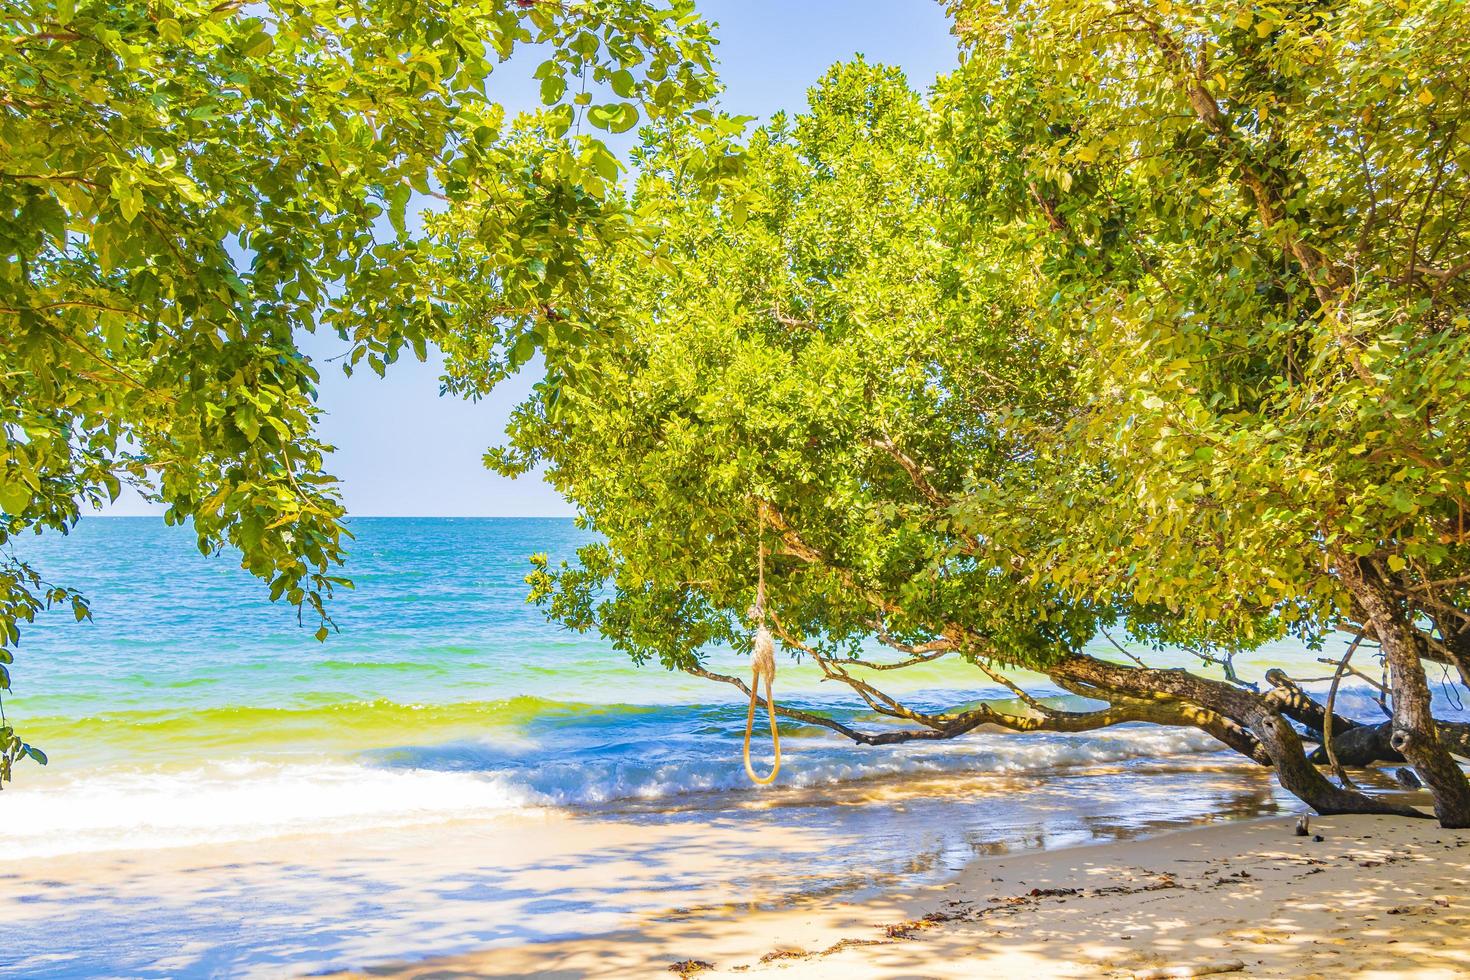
(1147, 317)
(188, 188)
(1252, 218)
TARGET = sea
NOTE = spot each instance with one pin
(227, 796)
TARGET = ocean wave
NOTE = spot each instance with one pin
(137, 808)
(333, 723)
(638, 769)
(523, 755)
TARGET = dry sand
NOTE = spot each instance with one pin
(1377, 897)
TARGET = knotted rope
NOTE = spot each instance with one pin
(762, 664)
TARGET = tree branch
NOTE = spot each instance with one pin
(1298, 705)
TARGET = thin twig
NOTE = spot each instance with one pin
(1337, 769)
(1121, 649)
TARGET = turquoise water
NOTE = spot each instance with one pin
(192, 712)
(440, 667)
(185, 657)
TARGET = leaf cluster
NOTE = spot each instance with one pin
(189, 188)
(1151, 315)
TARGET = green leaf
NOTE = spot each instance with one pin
(523, 351)
(616, 117)
(622, 83)
(14, 497)
(606, 165)
(558, 120)
(258, 45)
(398, 197)
(553, 87)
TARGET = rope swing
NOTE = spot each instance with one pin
(762, 662)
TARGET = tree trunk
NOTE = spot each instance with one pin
(1414, 733)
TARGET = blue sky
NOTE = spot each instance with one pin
(402, 450)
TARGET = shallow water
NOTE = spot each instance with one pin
(227, 796)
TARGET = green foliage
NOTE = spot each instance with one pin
(12, 750)
(1249, 222)
(187, 188)
(1152, 314)
(802, 331)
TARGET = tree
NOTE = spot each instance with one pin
(1251, 223)
(189, 187)
(842, 350)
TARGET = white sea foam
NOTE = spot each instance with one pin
(246, 800)
(241, 800)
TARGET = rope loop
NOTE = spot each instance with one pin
(762, 658)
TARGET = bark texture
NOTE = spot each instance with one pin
(1414, 731)
(1361, 746)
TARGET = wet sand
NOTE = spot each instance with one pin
(1376, 897)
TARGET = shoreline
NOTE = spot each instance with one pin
(294, 901)
(1246, 892)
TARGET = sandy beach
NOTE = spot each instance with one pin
(1374, 897)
